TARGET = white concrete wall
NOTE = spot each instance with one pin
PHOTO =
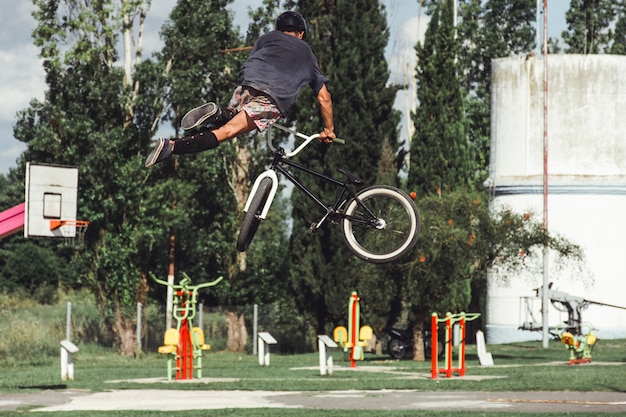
(587, 181)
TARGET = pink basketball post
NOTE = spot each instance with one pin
(12, 220)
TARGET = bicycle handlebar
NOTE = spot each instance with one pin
(307, 140)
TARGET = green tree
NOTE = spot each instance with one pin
(33, 270)
(11, 189)
(440, 153)
(205, 59)
(618, 47)
(449, 151)
(29, 269)
(349, 39)
(462, 240)
(199, 233)
(488, 30)
(589, 26)
(263, 19)
(94, 117)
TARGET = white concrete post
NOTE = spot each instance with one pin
(326, 358)
(67, 365)
(323, 352)
(261, 349)
(484, 357)
(255, 328)
(265, 340)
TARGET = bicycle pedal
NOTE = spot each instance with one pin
(313, 228)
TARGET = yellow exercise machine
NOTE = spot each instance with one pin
(355, 337)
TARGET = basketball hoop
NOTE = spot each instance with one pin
(79, 227)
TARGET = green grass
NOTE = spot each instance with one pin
(518, 367)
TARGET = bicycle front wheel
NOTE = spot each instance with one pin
(382, 224)
(251, 219)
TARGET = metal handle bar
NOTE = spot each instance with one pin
(186, 280)
(307, 140)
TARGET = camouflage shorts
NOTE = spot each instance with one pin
(258, 106)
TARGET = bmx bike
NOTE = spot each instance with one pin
(379, 223)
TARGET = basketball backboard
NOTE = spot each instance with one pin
(51, 196)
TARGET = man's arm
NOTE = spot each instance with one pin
(326, 107)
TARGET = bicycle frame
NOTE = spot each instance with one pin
(378, 223)
(281, 163)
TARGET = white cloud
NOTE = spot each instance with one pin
(21, 80)
(157, 15)
(13, 151)
(16, 22)
(10, 149)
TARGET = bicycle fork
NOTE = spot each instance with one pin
(271, 174)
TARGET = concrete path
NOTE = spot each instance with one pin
(178, 399)
(155, 399)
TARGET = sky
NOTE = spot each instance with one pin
(22, 75)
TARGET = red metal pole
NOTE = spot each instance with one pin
(355, 325)
(185, 358)
(433, 346)
(462, 346)
(184, 362)
(189, 353)
(448, 345)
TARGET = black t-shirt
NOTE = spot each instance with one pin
(280, 65)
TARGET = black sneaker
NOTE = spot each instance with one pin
(208, 115)
(199, 115)
(161, 152)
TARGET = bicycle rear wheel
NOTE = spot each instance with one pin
(382, 224)
(251, 220)
(396, 349)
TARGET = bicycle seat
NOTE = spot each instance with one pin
(352, 178)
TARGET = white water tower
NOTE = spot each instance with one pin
(587, 181)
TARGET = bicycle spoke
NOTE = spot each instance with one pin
(380, 240)
(387, 236)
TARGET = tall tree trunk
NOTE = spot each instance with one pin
(171, 270)
(124, 330)
(237, 332)
(418, 338)
(239, 183)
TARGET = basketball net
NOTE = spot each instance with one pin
(76, 240)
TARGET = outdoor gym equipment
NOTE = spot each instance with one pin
(564, 302)
(355, 338)
(185, 343)
(449, 321)
(379, 224)
(573, 333)
(580, 346)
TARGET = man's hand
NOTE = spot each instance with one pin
(326, 136)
